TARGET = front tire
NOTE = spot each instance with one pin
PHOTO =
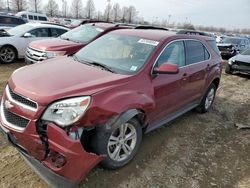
(119, 145)
(8, 54)
(207, 99)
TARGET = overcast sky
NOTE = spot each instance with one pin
(220, 13)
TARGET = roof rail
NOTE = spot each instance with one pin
(125, 24)
(150, 27)
(192, 32)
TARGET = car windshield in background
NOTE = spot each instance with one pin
(246, 52)
(122, 54)
(19, 30)
(232, 40)
(82, 34)
(76, 22)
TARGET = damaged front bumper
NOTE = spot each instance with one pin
(77, 164)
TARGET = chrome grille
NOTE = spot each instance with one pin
(11, 119)
(35, 55)
(21, 99)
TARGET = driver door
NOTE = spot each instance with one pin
(168, 88)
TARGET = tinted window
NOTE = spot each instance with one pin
(174, 54)
(57, 32)
(24, 16)
(41, 18)
(35, 17)
(195, 52)
(213, 45)
(30, 17)
(41, 32)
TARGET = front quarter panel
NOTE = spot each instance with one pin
(133, 95)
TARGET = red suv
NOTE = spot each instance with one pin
(68, 43)
(67, 114)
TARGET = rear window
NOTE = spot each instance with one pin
(213, 45)
(196, 52)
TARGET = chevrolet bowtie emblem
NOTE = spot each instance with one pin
(8, 105)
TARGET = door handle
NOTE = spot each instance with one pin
(208, 67)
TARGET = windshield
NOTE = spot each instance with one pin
(122, 54)
(232, 40)
(19, 30)
(82, 34)
(246, 52)
(76, 22)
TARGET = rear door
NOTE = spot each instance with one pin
(198, 62)
(168, 88)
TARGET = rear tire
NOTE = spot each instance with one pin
(119, 145)
(8, 54)
(207, 99)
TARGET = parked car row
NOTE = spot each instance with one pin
(114, 83)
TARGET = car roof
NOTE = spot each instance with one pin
(102, 25)
(158, 34)
(10, 16)
(38, 24)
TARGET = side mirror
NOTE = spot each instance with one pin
(27, 35)
(167, 68)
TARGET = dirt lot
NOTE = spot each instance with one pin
(194, 151)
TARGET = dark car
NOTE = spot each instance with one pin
(239, 63)
(68, 43)
(231, 46)
(67, 114)
(7, 22)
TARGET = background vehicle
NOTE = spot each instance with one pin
(94, 106)
(30, 16)
(7, 22)
(231, 46)
(76, 23)
(14, 44)
(239, 63)
(68, 43)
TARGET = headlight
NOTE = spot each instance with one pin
(55, 53)
(66, 112)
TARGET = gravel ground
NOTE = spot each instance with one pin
(196, 150)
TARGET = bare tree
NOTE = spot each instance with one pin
(35, 5)
(90, 9)
(1, 4)
(76, 8)
(18, 5)
(107, 11)
(99, 15)
(52, 8)
(124, 14)
(116, 12)
(64, 8)
(132, 13)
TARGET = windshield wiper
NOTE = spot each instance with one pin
(102, 66)
(93, 63)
